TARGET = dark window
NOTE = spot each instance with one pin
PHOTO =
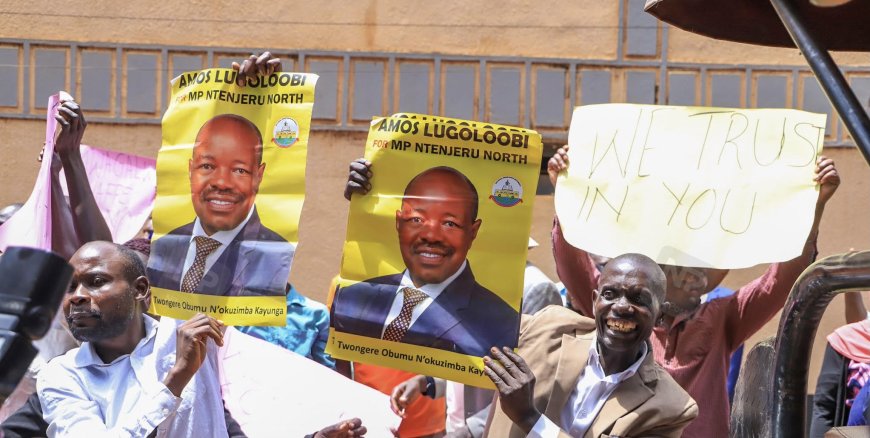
(504, 96)
(550, 96)
(96, 80)
(51, 71)
(368, 89)
(414, 87)
(141, 83)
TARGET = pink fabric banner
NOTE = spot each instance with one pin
(124, 186)
(31, 225)
(273, 392)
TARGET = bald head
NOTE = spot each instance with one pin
(459, 186)
(237, 126)
(639, 262)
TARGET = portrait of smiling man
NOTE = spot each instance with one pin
(226, 249)
(436, 302)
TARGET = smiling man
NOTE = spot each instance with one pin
(226, 250)
(580, 377)
(435, 302)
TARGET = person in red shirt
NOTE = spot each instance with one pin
(694, 341)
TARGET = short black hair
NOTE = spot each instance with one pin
(247, 124)
(133, 265)
(446, 169)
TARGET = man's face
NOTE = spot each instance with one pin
(626, 307)
(685, 287)
(435, 227)
(100, 302)
(224, 175)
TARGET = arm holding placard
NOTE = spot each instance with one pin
(89, 223)
(63, 232)
(574, 266)
(757, 302)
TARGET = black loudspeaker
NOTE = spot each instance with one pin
(32, 285)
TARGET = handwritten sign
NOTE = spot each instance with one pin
(690, 186)
(124, 186)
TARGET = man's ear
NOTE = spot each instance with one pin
(190, 168)
(259, 176)
(398, 218)
(475, 226)
(143, 292)
(595, 295)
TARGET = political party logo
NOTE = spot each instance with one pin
(507, 192)
(285, 133)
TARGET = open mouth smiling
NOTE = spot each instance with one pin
(621, 325)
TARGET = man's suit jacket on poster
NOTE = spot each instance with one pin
(555, 344)
(256, 262)
(466, 317)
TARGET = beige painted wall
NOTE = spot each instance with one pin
(584, 29)
(489, 27)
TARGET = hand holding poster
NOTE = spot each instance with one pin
(230, 187)
(689, 186)
(433, 263)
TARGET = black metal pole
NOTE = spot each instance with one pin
(828, 74)
(803, 310)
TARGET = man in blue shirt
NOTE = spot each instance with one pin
(306, 331)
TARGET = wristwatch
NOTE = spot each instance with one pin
(430, 387)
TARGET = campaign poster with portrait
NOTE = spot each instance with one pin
(230, 188)
(432, 270)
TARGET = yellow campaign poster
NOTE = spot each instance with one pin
(690, 186)
(230, 187)
(432, 271)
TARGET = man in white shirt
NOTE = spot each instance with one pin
(580, 377)
(134, 376)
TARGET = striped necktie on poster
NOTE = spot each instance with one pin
(398, 327)
(204, 247)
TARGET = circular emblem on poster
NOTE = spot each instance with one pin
(507, 192)
(285, 132)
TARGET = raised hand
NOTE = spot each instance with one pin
(190, 349)
(557, 163)
(72, 126)
(263, 65)
(515, 383)
(827, 177)
(358, 180)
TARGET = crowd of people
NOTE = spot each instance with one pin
(633, 348)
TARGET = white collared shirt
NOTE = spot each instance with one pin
(224, 237)
(83, 396)
(588, 397)
(431, 290)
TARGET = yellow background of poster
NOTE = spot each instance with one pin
(281, 192)
(497, 255)
(690, 186)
